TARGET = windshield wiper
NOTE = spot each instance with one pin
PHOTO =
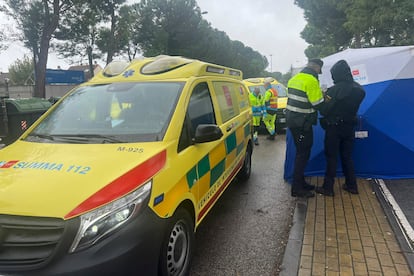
(84, 137)
(42, 136)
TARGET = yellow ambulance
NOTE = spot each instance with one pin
(115, 178)
(252, 83)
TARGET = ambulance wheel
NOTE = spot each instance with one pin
(177, 247)
(246, 169)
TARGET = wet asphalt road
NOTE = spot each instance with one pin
(246, 232)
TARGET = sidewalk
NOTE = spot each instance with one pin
(344, 235)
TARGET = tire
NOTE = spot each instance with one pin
(178, 245)
(245, 171)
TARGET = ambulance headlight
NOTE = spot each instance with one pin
(101, 222)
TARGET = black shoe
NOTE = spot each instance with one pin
(323, 191)
(308, 187)
(256, 142)
(302, 193)
(353, 191)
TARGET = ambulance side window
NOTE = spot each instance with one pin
(227, 97)
(200, 111)
(281, 90)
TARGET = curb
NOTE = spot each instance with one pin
(395, 223)
(291, 259)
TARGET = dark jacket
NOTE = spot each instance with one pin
(346, 96)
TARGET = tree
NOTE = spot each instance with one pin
(380, 23)
(3, 46)
(37, 20)
(285, 78)
(113, 39)
(22, 71)
(177, 28)
(166, 27)
(276, 75)
(126, 23)
(324, 30)
(151, 27)
(5, 35)
(79, 32)
(404, 22)
(334, 25)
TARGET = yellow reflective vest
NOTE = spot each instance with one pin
(304, 97)
(256, 102)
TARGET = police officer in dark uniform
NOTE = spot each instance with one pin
(339, 111)
(304, 99)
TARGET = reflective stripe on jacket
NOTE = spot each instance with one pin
(304, 96)
(256, 102)
(271, 99)
(303, 93)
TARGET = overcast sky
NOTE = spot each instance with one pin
(268, 26)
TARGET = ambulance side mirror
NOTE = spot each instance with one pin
(207, 133)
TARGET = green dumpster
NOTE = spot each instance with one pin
(17, 115)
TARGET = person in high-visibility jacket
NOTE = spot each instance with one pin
(305, 97)
(269, 114)
(256, 102)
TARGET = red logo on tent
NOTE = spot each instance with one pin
(355, 72)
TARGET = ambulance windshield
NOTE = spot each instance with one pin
(111, 113)
(280, 88)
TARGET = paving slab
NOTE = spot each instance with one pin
(347, 234)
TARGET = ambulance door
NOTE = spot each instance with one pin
(229, 103)
(200, 158)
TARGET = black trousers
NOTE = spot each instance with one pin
(339, 139)
(303, 139)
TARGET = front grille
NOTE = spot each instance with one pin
(28, 241)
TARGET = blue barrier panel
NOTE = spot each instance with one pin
(64, 76)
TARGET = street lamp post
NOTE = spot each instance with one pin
(6, 81)
(4, 111)
(271, 69)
